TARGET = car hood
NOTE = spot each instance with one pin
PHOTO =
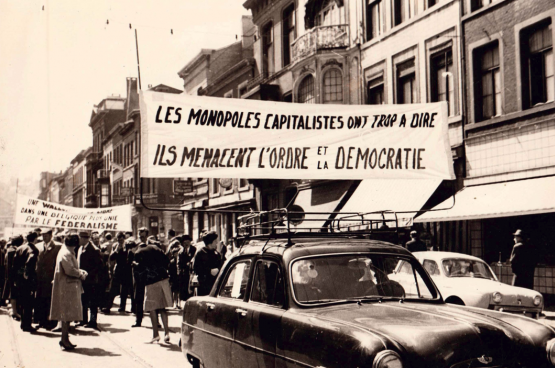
(442, 335)
(511, 294)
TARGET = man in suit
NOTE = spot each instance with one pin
(24, 264)
(46, 264)
(523, 261)
(207, 263)
(90, 260)
(139, 276)
(415, 244)
(184, 259)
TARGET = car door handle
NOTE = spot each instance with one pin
(242, 312)
(210, 306)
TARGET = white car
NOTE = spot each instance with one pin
(467, 280)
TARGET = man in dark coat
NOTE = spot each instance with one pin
(118, 257)
(523, 261)
(24, 267)
(139, 277)
(46, 264)
(8, 293)
(415, 244)
(207, 263)
(2, 270)
(90, 260)
(184, 258)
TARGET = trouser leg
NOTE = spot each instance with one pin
(139, 302)
(26, 302)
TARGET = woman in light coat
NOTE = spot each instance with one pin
(67, 290)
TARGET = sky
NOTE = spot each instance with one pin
(60, 58)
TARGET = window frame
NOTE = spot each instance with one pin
(341, 85)
(478, 74)
(401, 76)
(471, 76)
(288, 11)
(253, 279)
(370, 4)
(268, 43)
(452, 79)
(375, 86)
(298, 89)
(228, 271)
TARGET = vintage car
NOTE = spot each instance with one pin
(467, 280)
(328, 301)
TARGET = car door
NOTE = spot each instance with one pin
(221, 314)
(266, 304)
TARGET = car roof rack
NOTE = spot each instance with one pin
(282, 223)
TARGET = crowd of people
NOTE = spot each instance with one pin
(50, 281)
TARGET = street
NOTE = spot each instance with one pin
(115, 345)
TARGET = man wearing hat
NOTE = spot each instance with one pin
(207, 263)
(523, 261)
(46, 265)
(415, 244)
(184, 262)
(90, 260)
(139, 277)
(24, 264)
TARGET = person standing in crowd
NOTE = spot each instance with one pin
(138, 277)
(154, 264)
(127, 285)
(207, 263)
(46, 264)
(104, 279)
(89, 260)
(415, 244)
(24, 263)
(184, 259)
(523, 261)
(118, 257)
(2, 270)
(67, 289)
(174, 277)
(9, 291)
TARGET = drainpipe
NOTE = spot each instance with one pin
(463, 86)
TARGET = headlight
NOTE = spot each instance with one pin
(389, 359)
(537, 300)
(550, 348)
(497, 297)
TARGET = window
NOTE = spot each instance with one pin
(374, 25)
(214, 187)
(268, 49)
(288, 32)
(376, 91)
(243, 184)
(442, 79)
(431, 267)
(477, 4)
(537, 64)
(403, 10)
(235, 284)
(431, 3)
(329, 14)
(488, 82)
(333, 86)
(105, 195)
(306, 90)
(406, 83)
(268, 285)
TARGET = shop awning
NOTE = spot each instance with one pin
(392, 195)
(515, 198)
(323, 198)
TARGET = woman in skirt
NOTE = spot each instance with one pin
(154, 263)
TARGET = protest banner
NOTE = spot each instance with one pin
(39, 213)
(197, 136)
(13, 231)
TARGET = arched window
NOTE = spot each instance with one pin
(306, 90)
(333, 86)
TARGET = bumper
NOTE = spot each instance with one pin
(533, 312)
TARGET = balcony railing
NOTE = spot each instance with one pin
(320, 38)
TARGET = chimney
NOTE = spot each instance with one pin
(248, 31)
(132, 96)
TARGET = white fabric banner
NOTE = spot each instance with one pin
(39, 213)
(208, 137)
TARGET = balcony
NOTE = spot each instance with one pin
(320, 38)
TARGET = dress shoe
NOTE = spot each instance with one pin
(105, 310)
(29, 329)
(121, 310)
(136, 325)
(57, 329)
(92, 325)
(167, 339)
(65, 346)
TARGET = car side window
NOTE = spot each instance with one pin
(405, 267)
(431, 267)
(268, 285)
(235, 284)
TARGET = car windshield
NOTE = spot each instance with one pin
(358, 277)
(460, 267)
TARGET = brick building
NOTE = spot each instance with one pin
(509, 133)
